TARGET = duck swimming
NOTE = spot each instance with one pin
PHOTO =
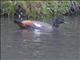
(38, 25)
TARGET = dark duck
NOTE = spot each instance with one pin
(42, 26)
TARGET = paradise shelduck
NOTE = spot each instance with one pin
(37, 25)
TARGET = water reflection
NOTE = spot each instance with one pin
(34, 44)
(33, 41)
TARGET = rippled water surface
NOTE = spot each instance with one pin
(61, 44)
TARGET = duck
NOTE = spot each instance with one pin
(39, 25)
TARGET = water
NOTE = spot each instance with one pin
(61, 44)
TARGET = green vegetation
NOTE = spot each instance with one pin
(37, 10)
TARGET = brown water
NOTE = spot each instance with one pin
(61, 44)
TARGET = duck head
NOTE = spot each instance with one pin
(58, 21)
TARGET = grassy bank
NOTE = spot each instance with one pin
(37, 10)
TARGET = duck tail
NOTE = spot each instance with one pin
(15, 21)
